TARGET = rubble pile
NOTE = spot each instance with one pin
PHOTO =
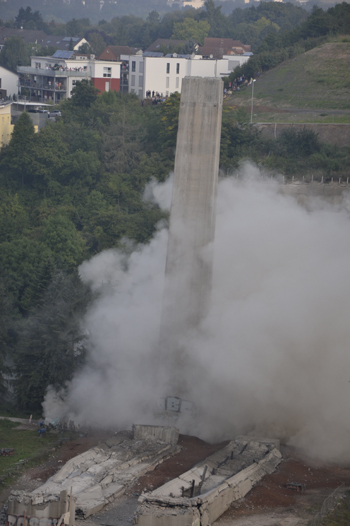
(99, 475)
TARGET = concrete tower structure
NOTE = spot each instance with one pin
(192, 217)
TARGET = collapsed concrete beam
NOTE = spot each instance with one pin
(100, 475)
(165, 506)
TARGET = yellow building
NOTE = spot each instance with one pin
(6, 127)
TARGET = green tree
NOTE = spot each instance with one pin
(83, 94)
(170, 120)
(14, 218)
(19, 260)
(64, 241)
(14, 53)
(28, 19)
(190, 28)
(16, 157)
(51, 343)
(217, 21)
(97, 43)
(8, 318)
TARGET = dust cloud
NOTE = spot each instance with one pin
(272, 355)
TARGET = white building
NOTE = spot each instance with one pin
(153, 72)
(8, 83)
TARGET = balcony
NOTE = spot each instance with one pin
(51, 72)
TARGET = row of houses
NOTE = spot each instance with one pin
(48, 80)
(39, 37)
(119, 68)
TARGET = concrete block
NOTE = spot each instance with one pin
(166, 434)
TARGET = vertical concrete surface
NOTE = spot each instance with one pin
(192, 216)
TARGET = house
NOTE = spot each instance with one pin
(6, 127)
(33, 36)
(113, 53)
(8, 83)
(53, 78)
(62, 42)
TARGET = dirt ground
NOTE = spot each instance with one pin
(270, 503)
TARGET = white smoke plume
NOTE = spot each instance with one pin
(272, 355)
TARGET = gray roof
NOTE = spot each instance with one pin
(61, 42)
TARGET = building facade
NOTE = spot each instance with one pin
(6, 127)
(53, 78)
(154, 73)
(8, 83)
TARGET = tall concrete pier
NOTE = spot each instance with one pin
(192, 216)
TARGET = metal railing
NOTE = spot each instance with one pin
(328, 505)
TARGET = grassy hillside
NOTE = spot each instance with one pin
(318, 79)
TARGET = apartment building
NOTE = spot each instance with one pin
(53, 78)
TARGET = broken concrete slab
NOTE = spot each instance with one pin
(210, 487)
(101, 474)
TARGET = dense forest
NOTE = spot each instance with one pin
(76, 188)
(64, 10)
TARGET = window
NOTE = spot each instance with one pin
(177, 83)
(168, 68)
(140, 82)
(132, 80)
(38, 65)
(141, 67)
(167, 82)
(107, 72)
(133, 65)
(177, 68)
(107, 86)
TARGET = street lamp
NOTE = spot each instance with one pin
(251, 112)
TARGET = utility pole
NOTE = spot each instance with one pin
(251, 112)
